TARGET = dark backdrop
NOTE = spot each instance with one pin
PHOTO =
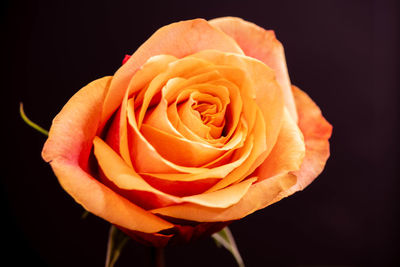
(343, 53)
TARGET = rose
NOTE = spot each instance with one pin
(199, 127)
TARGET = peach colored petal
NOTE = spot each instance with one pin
(257, 197)
(158, 117)
(192, 119)
(316, 131)
(248, 166)
(67, 149)
(205, 74)
(148, 72)
(260, 85)
(171, 93)
(113, 136)
(235, 108)
(142, 77)
(237, 81)
(222, 198)
(181, 120)
(258, 43)
(222, 171)
(193, 35)
(125, 178)
(144, 156)
(179, 68)
(117, 171)
(86, 101)
(204, 107)
(288, 152)
(179, 150)
(234, 144)
(181, 188)
(149, 162)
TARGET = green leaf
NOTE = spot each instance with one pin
(29, 122)
(116, 241)
(225, 238)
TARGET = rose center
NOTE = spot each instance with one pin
(207, 110)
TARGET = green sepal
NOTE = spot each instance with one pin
(225, 239)
(116, 242)
(31, 123)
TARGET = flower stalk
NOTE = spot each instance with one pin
(157, 257)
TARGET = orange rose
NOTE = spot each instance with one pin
(201, 126)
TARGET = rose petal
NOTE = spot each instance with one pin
(179, 68)
(192, 119)
(149, 162)
(146, 158)
(259, 85)
(67, 149)
(190, 34)
(181, 188)
(316, 131)
(232, 116)
(288, 152)
(88, 102)
(257, 197)
(258, 43)
(141, 78)
(179, 150)
(222, 198)
(158, 117)
(222, 171)
(263, 88)
(248, 166)
(143, 154)
(118, 172)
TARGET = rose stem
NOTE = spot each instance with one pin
(157, 257)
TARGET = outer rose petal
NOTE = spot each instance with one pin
(125, 178)
(181, 234)
(67, 149)
(259, 196)
(288, 152)
(316, 131)
(258, 43)
(192, 35)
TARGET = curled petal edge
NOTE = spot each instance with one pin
(67, 149)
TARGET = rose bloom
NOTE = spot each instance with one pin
(198, 128)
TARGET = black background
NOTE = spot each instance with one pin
(343, 53)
